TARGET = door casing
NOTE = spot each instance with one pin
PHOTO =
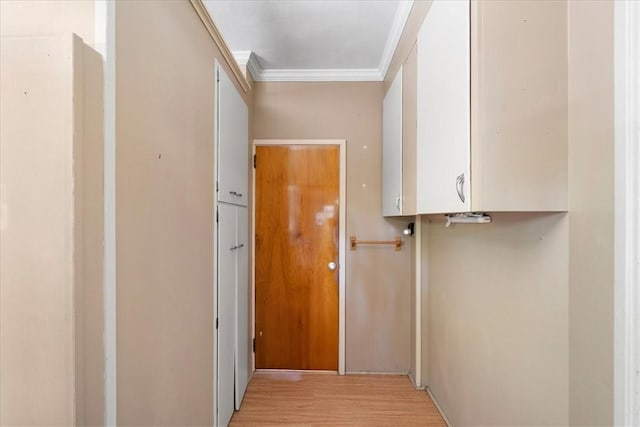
(342, 239)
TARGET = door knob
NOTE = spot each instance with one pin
(332, 265)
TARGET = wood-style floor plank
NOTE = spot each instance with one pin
(315, 399)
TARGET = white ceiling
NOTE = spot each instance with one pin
(312, 39)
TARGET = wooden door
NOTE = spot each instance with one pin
(297, 219)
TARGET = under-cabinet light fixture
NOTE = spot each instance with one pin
(468, 218)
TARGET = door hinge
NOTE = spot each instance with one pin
(217, 215)
(254, 161)
(217, 322)
(254, 345)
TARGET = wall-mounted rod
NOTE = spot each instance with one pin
(397, 243)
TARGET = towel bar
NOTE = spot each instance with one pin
(355, 242)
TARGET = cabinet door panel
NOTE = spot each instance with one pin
(392, 149)
(242, 304)
(443, 152)
(226, 312)
(409, 96)
(519, 105)
(233, 143)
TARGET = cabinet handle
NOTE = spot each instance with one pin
(235, 193)
(460, 186)
(398, 203)
(233, 248)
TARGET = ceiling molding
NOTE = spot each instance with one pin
(247, 59)
(320, 75)
(217, 38)
(399, 22)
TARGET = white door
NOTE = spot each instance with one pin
(392, 149)
(226, 319)
(444, 110)
(233, 143)
(242, 305)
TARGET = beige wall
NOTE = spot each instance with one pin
(51, 232)
(423, 264)
(92, 309)
(498, 320)
(52, 18)
(46, 18)
(591, 203)
(526, 322)
(165, 217)
(377, 278)
(520, 323)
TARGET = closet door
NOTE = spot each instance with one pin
(443, 134)
(226, 318)
(233, 143)
(392, 149)
(242, 304)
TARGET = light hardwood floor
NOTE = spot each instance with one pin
(318, 399)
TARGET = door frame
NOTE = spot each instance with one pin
(626, 347)
(342, 239)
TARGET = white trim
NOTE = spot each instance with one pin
(252, 278)
(294, 371)
(216, 119)
(435, 402)
(247, 59)
(342, 240)
(417, 230)
(216, 71)
(416, 386)
(399, 22)
(627, 212)
(320, 75)
(204, 15)
(105, 43)
(342, 336)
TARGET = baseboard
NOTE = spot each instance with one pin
(413, 382)
(312, 371)
(375, 373)
(293, 371)
(435, 402)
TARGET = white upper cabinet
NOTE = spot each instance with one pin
(392, 149)
(443, 132)
(233, 143)
(491, 108)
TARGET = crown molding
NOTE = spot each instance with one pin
(247, 59)
(320, 75)
(399, 22)
(217, 38)
(337, 75)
